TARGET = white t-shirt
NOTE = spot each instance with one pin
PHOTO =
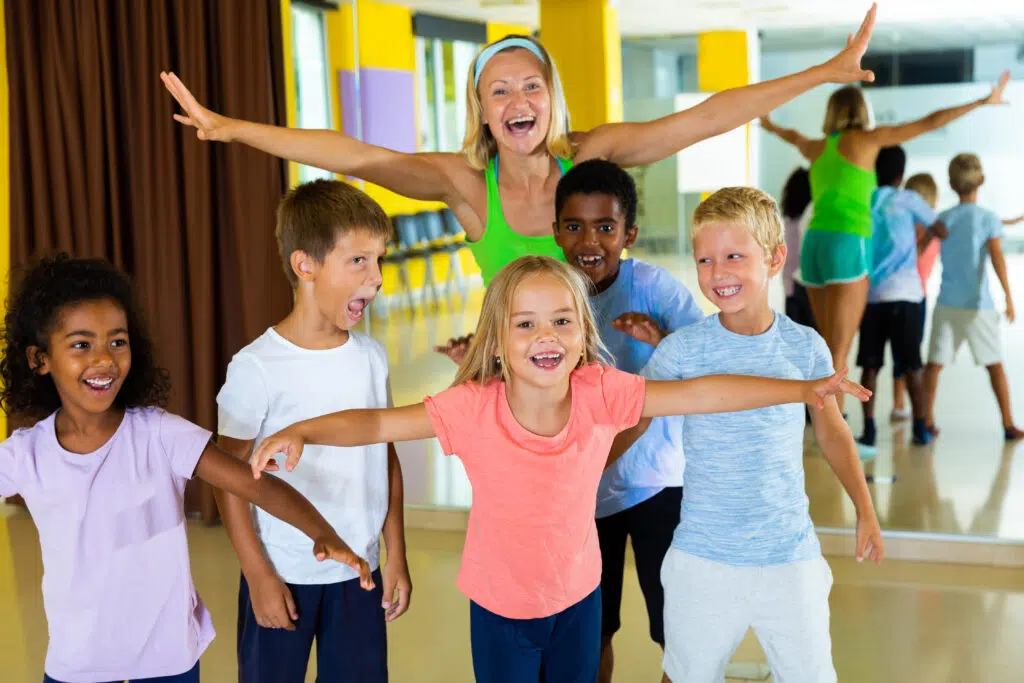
(272, 384)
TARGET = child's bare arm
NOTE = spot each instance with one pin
(272, 602)
(1014, 221)
(995, 250)
(223, 471)
(936, 231)
(733, 393)
(840, 450)
(345, 428)
(396, 571)
(625, 439)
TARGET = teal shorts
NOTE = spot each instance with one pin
(832, 258)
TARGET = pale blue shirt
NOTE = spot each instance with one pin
(744, 501)
(656, 460)
(895, 214)
(965, 256)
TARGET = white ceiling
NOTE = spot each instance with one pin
(811, 22)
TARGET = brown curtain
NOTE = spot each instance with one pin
(99, 168)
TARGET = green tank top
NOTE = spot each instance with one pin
(500, 245)
(841, 193)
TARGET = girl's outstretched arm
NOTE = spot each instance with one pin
(809, 148)
(887, 136)
(733, 393)
(426, 177)
(345, 428)
(228, 473)
(638, 144)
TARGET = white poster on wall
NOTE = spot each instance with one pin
(714, 163)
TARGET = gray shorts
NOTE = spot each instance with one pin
(709, 606)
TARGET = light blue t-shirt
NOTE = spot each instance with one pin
(744, 502)
(965, 256)
(656, 459)
(895, 214)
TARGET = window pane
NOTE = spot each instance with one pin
(309, 54)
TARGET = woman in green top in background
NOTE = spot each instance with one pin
(835, 257)
(501, 187)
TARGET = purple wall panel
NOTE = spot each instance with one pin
(388, 107)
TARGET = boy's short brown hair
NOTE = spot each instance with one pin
(924, 184)
(312, 217)
(748, 206)
(965, 175)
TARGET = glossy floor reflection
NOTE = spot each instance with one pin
(901, 622)
(965, 483)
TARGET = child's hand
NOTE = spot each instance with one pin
(845, 66)
(939, 230)
(456, 348)
(996, 96)
(209, 125)
(820, 389)
(869, 540)
(640, 327)
(396, 579)
(285, 441)
(272, 603)
(333, 548)
(1010, 314)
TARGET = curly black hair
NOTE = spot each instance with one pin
(34, 309)
(597, 176)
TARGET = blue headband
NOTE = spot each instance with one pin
(497, 47)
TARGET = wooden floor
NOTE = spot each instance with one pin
(898, 623)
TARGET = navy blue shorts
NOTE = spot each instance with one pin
(346, 621)
(563, 648)
(190, 676)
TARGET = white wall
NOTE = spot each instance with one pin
(993, 133)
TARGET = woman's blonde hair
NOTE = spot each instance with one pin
(847, 109)
(487, 359)
(479, 145)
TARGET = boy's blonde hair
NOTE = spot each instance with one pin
(847, 109)
(965, 174)
(479, 145)
(487, 359)
(313, 216)
(924, 185)
(748, 206)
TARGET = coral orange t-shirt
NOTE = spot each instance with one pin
(531, 545)
(926, 261)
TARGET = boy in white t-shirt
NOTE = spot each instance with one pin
(332, 240)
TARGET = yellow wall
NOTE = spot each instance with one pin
(386, 41)
(5, 185)
(583, 39)
(723, 62)
(497, 31)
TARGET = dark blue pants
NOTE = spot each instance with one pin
(564, 648)
(191, 676)
(346, 622)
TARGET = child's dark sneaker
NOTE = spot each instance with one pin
(922, 437)
(1014, 434)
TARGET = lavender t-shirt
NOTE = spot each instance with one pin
(117, 588)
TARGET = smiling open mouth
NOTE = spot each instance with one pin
(589, 260)
(521, 124)
(726, 292)
(548, 360)
(99, 383)
(357, 308)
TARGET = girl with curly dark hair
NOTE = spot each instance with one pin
(103, 473)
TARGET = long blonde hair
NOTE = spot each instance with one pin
(487, 359)
(847, 109)
(479, 145)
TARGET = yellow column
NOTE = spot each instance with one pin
(15, 664)
(5, 184)
(496, 31)
(386, 44)
(583, 39)
(728, 59)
